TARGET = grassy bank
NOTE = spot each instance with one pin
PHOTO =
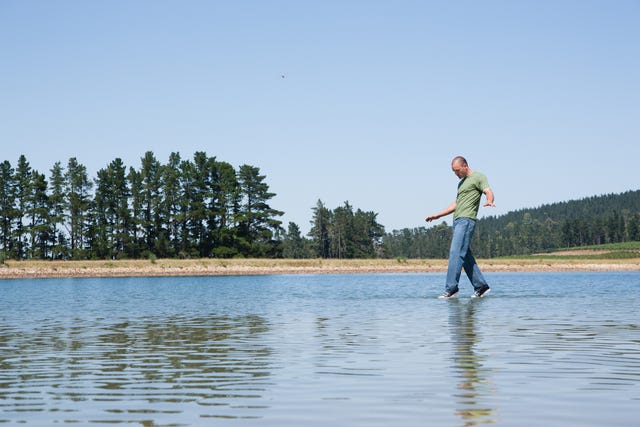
(220, 267)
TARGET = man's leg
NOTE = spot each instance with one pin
(457, 253)
(470, 265)
(472, 270)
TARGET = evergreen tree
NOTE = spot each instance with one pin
(38, 208)
(293, 244)
(111, 211)
(201, 196)
(78, 204)
(633, 227)
(258, 222)
(8, 211)
(225, 209)
(319, 232)
(22, 193)
(57, 213)
(187, 179)
(171, 202)
(151, 220)
(367, 234)
(341, 232)
(135, 235)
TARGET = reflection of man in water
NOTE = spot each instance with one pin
(467, 364)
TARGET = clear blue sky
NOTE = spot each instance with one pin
(377, 96)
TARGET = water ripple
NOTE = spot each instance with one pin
(361, 350)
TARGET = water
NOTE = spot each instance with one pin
(559, 349)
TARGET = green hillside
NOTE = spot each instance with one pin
(610, 219)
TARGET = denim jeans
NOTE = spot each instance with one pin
(460, 257)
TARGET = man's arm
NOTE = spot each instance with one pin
(447, 211)
(490, 197)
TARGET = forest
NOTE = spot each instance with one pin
(202, 207)
(183, 208)
(611, 218)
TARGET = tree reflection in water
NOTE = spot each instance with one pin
(128, 371)
(474, 385)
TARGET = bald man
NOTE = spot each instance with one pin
(471, 187)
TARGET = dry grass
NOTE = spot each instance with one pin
(220, 267)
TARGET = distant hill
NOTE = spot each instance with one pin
(610, 218)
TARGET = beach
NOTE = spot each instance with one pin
(11, 269)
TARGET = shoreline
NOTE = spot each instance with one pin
(246, 267)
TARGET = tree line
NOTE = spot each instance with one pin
(198, 207)
(345, 233)
(203, 207)
(611, 218)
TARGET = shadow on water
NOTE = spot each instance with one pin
(473, 379)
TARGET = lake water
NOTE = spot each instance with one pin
(560, 349)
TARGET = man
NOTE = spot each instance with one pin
(471, 187)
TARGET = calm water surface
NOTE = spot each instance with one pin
(339, 350)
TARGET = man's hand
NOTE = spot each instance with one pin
(490, 198)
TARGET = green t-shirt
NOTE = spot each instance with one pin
(470, 191)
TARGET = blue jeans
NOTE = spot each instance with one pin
(460, 257)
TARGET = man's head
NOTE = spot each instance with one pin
(460, 167)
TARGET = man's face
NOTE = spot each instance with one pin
(459, 169)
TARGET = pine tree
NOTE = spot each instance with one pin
(171, 202)
(258, 222)
(293, 245)
(201, 195)
(135, 240)
(151, 220)
(319, 232)
(225, 208)
(78, 204)
(367, 234)
(57, 213)
(111, 211)
(23, 188)
(341, 232)
(7, 209)
(38, 210)
(187, 178)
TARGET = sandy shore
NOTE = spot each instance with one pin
(236, 267)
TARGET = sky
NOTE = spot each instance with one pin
(358, 101)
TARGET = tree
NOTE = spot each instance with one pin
(135, 187)
(634, 227)
(7, 208)
(78, 203)
(225, 208)
(367, 234)
(57, 212)
(151, 220)
(200, 215)
(187, 177)
(111, 211)
(341, 232)
(257, 220)
(22, 193)
(38, 208)
(319, 232)
(293, 244)
(171, 202)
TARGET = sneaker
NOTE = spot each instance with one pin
(447, 294)
(481, 293)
